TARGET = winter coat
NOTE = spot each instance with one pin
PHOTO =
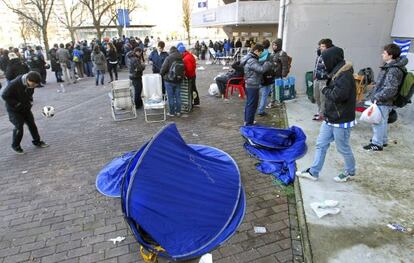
(4, 61)
(253, 71)
(87, 53)
(157, 60)
(112, 57)
(340, 92)
(99, 61)
(135, 66)
(165, 68)
(280, 62)
(18, 97)
(15, 68)
(190, 65)
(63, 55)
(319, 72)
(389, 79)
(54, 61)
(268, 76)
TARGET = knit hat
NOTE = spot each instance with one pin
(12, 55)
(181, 47)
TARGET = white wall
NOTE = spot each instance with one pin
(360, 27)
(403, 25)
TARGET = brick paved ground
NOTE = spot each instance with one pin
(51, 212)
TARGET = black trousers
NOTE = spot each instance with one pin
(137, 83)
(113, 68)
(20, 118)
(221, 83)
(193, 88)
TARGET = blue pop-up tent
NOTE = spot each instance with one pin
(181, 201)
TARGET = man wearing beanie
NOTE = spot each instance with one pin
(253, 73)
(15, 67)
(340, 97)
(190, 66)
(18, 96)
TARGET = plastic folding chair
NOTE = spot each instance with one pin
(122, 103)
(235, 83)
(152, 98)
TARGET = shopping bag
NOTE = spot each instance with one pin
(371, 115)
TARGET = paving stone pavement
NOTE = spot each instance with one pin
(51, 212)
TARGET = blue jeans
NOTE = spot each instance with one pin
(88, 68)
(251, 104)
(264, 93)
(174, 97)
(100, 73)
(328, 134)
(380, 130)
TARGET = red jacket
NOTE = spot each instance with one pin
(189, 64)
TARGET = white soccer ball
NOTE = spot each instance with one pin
(48, 111)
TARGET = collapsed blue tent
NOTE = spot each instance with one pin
(268, 137)
(181, 201)
(109, 179)
(265, 144)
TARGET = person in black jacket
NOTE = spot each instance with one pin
(15, 67)
(18, 96)
(112, 59)
(136, 69)
(221, 80)
(339, 115)
(55, 63)
(172, 87)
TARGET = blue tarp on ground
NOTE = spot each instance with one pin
(279, 162)
(187, 198)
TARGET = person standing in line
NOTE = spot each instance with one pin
(18, 96)
(63, 57)
(320, 76)
(112, 58)
(253, 73)
(268, 79)
(15, 67)
(340, 100)
(386, 88)
(280, 62)
(173, 86)
(99, 63)
(157, 57)
(190, 66)
(136, 69)
(55, 63)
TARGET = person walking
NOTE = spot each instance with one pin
(340, 100)
(99, 63)
(112, 58)
(253, 73)
(18, 96)
(386, 89)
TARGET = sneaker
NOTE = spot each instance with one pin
(178, 114)
(18, 150)
(262, 114)
(41, 144)
(384, 145)
(318, 118)
(342, 177)
(306, 174)
(372, 147)
(170, 115)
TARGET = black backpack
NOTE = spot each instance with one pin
(176, 71)
(368, 74)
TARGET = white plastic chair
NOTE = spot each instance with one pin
(152, 98)
(122, 103)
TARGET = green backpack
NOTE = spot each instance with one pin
(405, 90)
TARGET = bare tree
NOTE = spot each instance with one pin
(39, 18)
(98, 10)
(187, 18)
(24, 29)
(73, 17)
(130, 5)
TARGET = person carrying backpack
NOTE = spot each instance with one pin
(172, 71)
(281, 64)
(267, 81)
(386, 89)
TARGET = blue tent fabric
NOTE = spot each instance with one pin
(108, 181)
(268, 137)
(280, 162)
(188, 198)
